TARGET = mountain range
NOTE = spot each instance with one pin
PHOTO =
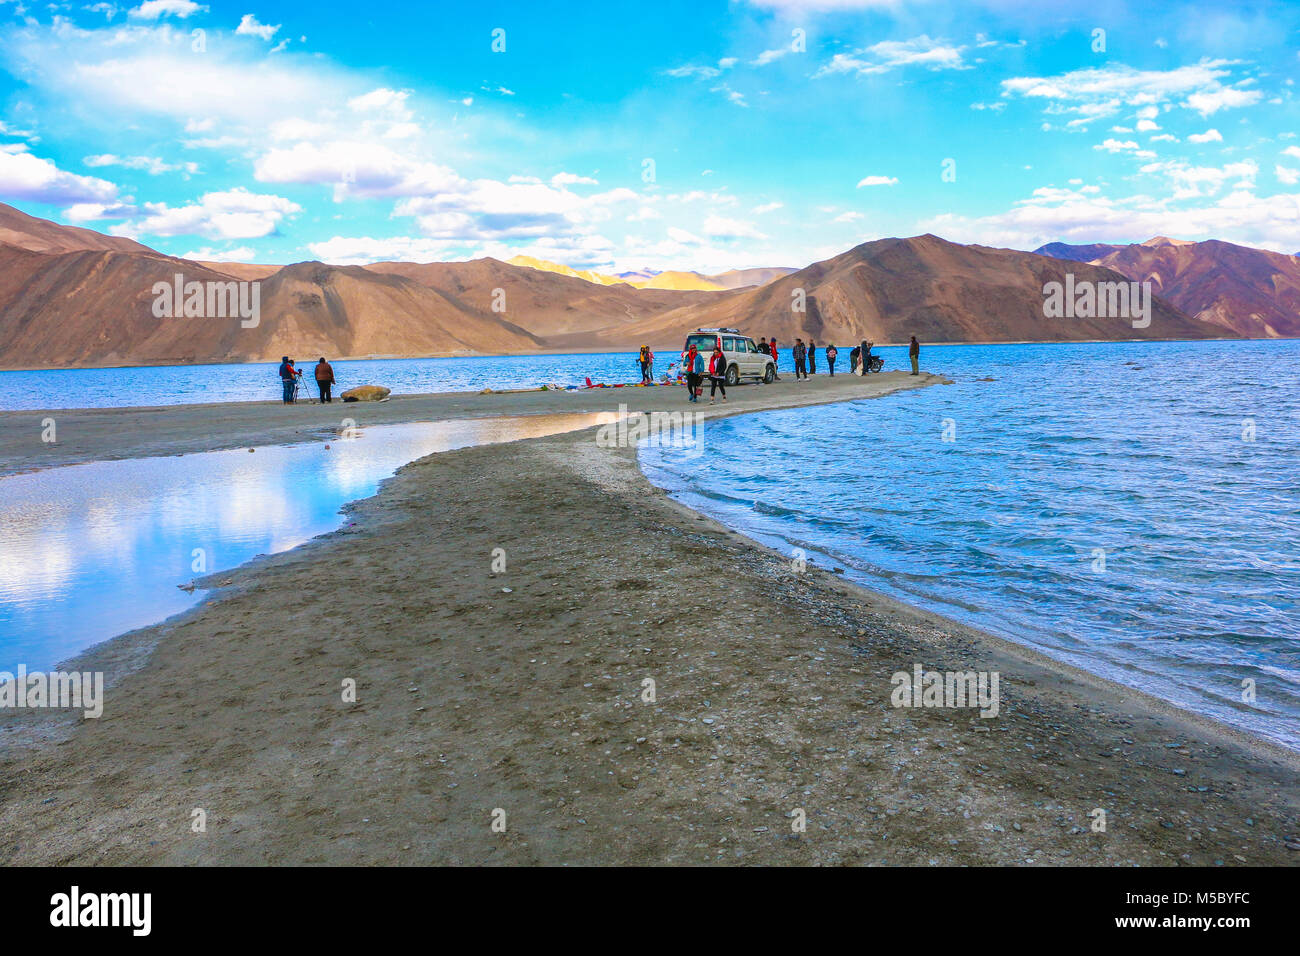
(1251, 292)
(72, 297)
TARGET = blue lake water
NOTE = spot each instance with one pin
(196, 384)
(95, 550)
(1133, 509)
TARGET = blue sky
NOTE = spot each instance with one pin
(690, 135)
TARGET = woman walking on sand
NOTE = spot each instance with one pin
(324, 380)
(693, 363)
(717, 374)
(831, 352)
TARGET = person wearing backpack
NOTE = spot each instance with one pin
(831, 353)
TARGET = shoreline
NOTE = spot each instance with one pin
(852, 623)
(629, 350)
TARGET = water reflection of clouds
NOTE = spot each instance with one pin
(92, 550)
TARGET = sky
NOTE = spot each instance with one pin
(672, 135)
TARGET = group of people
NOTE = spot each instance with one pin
(291, 378)
(695, 367)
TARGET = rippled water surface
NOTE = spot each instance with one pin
(92, 551)
(1133, 509)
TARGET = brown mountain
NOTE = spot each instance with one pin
(70, 297)
(925, 286)
(96, 308)
(565, 310)
(1248, 291)
(40, 235)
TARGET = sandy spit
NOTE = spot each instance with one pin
(523, 691)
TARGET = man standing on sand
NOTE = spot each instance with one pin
(324, 380)
(800, 360)
(771, 349)
(812, 357)
(914, 351)
(286, 380)
(864, 357)
(831, 353)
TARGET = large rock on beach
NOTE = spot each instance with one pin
(365, 393)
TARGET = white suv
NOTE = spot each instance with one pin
(744, 360)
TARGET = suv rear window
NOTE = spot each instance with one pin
(702, 342)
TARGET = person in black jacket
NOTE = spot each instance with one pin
(831, 354)
(800, 360)
(812, 357)
(855, 353)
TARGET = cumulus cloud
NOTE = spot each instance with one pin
(28, 177)
(248, 26)
(233, 214)
(1209, 136)
(877, 181)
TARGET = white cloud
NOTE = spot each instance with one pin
(1102, 91)
(354, 169)
(233, 214)
(24, 176)
(850, 216)
(208, 254)
(892, 54)
(362, 250)
(1209, 136)
(721, 227)
(1293, 151)
(1070, 216)
(1212, 101)
(156, 9)
(153, 165)
(572, 179)
(877, 181)
(1286, 175)
(767, 207)
(249, 26)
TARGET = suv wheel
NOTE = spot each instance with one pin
(733, 374)
(769, 375)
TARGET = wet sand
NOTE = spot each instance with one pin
(524, 691)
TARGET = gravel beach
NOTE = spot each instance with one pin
(590, 702)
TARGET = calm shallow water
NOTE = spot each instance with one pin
(196, 384)
(1099, 502)
(95, 550)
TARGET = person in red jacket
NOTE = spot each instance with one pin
(775, 359)
(717, 374)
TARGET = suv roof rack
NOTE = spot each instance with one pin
(734, 331)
